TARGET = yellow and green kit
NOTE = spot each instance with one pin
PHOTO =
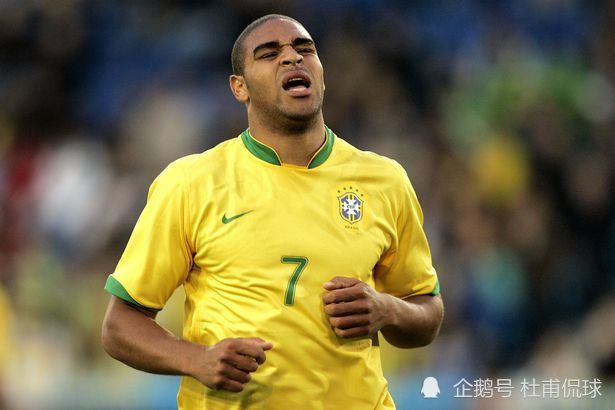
(253, 240)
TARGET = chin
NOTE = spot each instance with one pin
(306, 115)
(292, 118)
(303, 118)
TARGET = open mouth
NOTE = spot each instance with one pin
(296, 83)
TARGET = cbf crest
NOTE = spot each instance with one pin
(351, 204)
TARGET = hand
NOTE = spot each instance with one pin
(353, 307)
(227, 364)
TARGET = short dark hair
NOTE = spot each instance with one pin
(237, 55)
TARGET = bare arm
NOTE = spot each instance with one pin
(355, 310)
(414, 321)
(132, 336)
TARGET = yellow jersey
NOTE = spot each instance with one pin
(253, 240)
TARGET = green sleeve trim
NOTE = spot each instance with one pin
(114, 287)
(436, 289)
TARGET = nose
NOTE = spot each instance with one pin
(290, 56)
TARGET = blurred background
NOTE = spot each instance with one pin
(502, 113)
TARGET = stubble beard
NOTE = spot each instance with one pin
(290, 121)
(296, 123)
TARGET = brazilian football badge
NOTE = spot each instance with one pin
(350, 204)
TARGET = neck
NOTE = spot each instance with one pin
(295, 144)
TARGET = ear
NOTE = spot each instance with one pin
(239, 88)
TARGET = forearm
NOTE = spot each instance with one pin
(136, 339)
(413, 321)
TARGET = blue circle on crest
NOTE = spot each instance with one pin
(351, 207)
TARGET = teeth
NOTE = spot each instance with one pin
(296, 83)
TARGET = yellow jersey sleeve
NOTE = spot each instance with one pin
(158, 256)
(405, 269)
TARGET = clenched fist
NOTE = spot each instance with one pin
(354, 308)
(227, 365)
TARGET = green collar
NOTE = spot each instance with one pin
(268, 154)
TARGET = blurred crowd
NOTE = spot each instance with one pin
(502, 113)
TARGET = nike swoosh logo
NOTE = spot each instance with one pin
(226, 220)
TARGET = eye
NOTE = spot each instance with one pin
(306, 50)
(269, 55)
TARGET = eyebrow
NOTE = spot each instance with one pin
(299, 41)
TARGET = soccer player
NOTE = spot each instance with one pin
(294, 248)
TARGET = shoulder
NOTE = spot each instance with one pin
(211, 159)
(201, 168)
(376, 164)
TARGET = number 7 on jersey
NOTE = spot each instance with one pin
(301, 262)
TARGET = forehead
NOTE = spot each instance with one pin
(282, 31)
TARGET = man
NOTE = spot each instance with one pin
(294, 248)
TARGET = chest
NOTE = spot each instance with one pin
(266, 231)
